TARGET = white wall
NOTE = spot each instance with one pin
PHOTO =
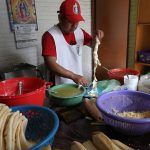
(46, 17)
(8, 53)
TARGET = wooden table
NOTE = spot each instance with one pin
(80, 129)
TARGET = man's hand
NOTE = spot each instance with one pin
(100, 34)
(80, 80)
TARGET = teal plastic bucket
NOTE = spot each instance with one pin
(66, 94)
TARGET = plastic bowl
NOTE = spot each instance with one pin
(119, 101)
(69, 100)
(42, 125)
(32, 91)
(119, 73)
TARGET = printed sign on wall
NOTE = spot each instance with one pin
(23, 22)
(21, 12)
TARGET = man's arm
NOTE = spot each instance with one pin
(61, 71)
(100, 35)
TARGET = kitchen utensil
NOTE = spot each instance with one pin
(42, 125)
(20, 88)
(119, 73)
(119, 101)
(32, 92)
(58, 94)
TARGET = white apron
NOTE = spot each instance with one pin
(68, 56)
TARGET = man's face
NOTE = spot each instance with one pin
(68, 26)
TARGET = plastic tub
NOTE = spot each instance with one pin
(119, 73)
(66, 100)
(43, 124)
(115, 102)
(31, 92)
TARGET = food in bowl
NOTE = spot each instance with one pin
(42, 125)
(67, 91)
(27, 127)
(66, 94)
(13, 129)
(131, 114)
(115, 102)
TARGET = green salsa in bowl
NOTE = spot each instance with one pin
(66, 94)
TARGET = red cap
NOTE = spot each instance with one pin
(71, 10)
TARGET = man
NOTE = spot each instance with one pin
(62, 45)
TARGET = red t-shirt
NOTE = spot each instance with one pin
(48, 44)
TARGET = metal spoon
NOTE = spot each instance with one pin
(20, 87)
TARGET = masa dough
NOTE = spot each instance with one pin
(95, 57)
(93, 92)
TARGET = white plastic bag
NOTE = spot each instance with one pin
(144, 83)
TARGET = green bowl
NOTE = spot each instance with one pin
(66, 94)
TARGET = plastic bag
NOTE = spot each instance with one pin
(103, 86)
(108, 86)
(144, 83)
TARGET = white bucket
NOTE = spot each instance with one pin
(131, 82)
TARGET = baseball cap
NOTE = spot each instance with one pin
(71, 10)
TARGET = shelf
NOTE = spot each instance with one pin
(142, 40)
(143, 24)
(144, 11)
(143, 64)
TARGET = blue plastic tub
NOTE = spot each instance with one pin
(42, 125)
(119, 101)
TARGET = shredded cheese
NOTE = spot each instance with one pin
(145, 114)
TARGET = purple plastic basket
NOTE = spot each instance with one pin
(118, 101)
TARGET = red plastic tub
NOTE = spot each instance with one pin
(119, 73)
(31, 93)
